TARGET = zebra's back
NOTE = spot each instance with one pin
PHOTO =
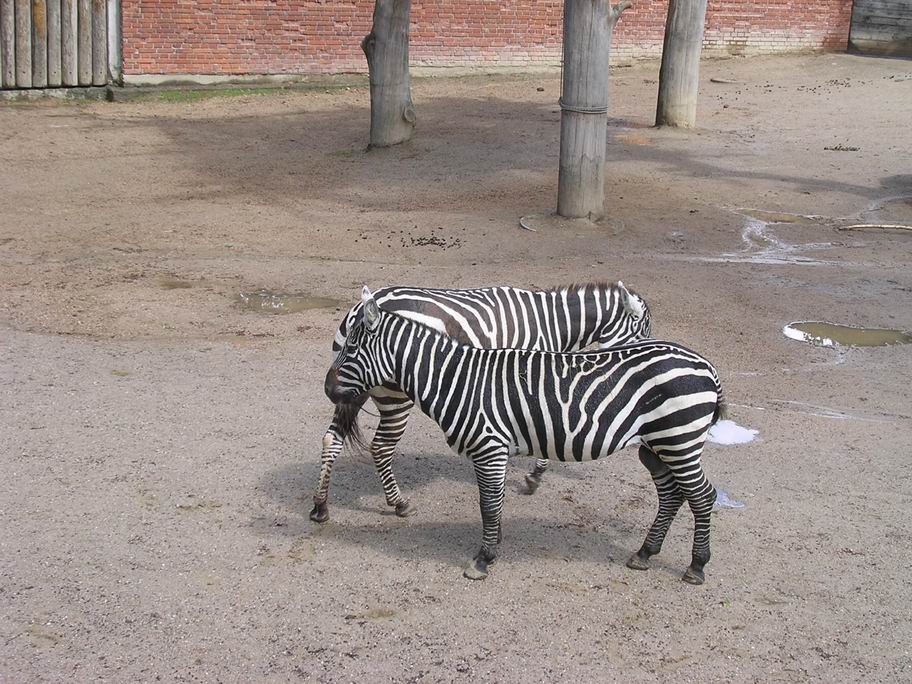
(585, 405)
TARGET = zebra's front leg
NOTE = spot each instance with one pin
(332, 447)
(393, 420)
(491, 475)
(533, 479)
(670, 501)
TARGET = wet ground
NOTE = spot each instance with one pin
(160, 423)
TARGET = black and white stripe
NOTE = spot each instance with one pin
(496, 403)
(564, 319)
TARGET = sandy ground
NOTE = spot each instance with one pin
(160, 443)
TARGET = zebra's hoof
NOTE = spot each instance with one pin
(404, 509)
(692, 576)
(477, 569)
(637, 563)
(532, 484)
(320, 512)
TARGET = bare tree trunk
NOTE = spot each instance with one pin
(588, 25)
(386, 49)
(680, 72)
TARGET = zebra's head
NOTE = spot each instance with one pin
(361, 362)
(633, 324)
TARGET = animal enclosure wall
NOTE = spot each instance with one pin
(55, 43)
(323, 36)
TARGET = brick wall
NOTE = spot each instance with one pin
(323, 36)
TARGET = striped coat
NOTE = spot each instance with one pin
(496, 403)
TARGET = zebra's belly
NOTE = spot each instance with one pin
(569, 452)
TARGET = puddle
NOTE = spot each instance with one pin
(271, 302)
(173, 284)
(777, 217)
(824, 334)
(761, 245)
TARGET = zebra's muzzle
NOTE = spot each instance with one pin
(336, 393)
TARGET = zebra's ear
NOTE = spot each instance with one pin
(632, 304)
(371, 310)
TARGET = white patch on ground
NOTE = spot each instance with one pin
(723, 500)
(729, 432)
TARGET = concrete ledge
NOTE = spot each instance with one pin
(36, 94)
(261, 80)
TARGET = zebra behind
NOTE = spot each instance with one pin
(563, 319)
(495, 403)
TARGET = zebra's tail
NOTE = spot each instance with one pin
(721, 405)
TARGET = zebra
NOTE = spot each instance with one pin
(563, 319)
(495, 403)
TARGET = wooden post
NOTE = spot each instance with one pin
(84, 43)
(99, 42)
(8, 43)
(588, 25)
(54, 79)
(679, 77)
(39, 44)
(69, 30)
(386, 49)
(23, 44)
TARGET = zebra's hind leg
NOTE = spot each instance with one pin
(670, 500)
(491, 475)
(533, 479)
(394, 413)
(701, 496)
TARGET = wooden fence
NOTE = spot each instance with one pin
(59, 43)
(882, 27)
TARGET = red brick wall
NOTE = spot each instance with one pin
(323, 36)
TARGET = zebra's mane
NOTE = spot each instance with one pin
(591, 286)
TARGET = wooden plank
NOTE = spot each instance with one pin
(53, 43)
(23, 44)
(8, 43)
(69, 29)
(39, 44)
(1, 46)
(84, 43)
(99, 42)
(115, 54)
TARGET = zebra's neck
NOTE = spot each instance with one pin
(576, 315)
(427, 365)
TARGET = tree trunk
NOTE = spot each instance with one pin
(680, 72)
(386, 49)
(588, 25)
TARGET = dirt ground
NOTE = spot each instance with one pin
(160, 441)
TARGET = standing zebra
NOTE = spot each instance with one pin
(495, 403)
(558, 320)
